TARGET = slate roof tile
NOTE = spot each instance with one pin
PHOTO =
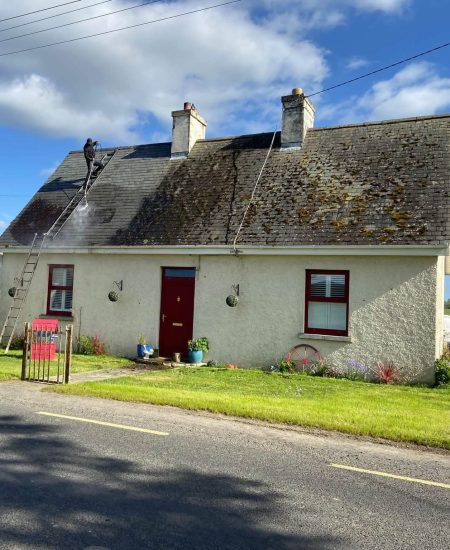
(365, 184)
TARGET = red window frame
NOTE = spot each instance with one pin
(343, 300)
(55, 287)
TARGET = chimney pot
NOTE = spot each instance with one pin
(298, 117)
(188, 127)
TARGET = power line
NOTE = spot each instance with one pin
(80, 21)
(121, 28)
(381, 69)
(53, 16)
(38, 11)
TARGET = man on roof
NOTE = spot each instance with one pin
(89, 155)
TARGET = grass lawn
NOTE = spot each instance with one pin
(11, 364)
(446, 311)
(400, 413)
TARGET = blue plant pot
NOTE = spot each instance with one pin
(141, 350)
(195, 356)
(148, 348)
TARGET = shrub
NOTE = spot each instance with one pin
(318, 368)
(91, 345)
(386, 372)
(441, 372)
(286, 365)
(198, 344)
(355, 370)
(17, 342)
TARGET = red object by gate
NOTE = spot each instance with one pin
(43, 346)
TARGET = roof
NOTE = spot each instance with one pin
(363, 184)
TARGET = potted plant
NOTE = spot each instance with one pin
(143, 348)
(196, 348)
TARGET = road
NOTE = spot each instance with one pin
(203, 482)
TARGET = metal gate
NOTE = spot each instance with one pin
(47, 353)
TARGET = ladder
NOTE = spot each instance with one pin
(37, 245)
(79, 196)
(21, 290)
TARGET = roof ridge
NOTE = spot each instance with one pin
(382, 122)
(316, 129)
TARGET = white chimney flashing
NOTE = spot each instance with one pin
(188, 127)
(298, 117)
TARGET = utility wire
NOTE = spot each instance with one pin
(381, 69)
(250, 202)
(38, 11)
(53, 16)
(81, 20)
(121, 28)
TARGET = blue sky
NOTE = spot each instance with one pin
(234, 63)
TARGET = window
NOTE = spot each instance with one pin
(60, 290)
(326, 310)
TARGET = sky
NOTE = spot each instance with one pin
(234, 62)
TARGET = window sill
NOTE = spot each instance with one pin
(58, 317)
(329, 337)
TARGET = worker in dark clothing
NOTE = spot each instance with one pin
(89, 155)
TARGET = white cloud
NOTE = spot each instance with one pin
(46, 172)
(418, 89)
(357, 63)
(223, 60)
(232, 62)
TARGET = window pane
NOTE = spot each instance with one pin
(62, 276)
(318, 285)
(337, 316)
(337, 286)
(329, 316)
(61, 300)
(317, 315)
(327, 286)
(56, 300)
(184, 273)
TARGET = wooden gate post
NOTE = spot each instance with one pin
(26, 342)
(68, 354)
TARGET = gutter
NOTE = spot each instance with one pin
(226, 250)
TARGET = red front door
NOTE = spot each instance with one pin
(177, 310)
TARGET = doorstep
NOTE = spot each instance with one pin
(165, 363)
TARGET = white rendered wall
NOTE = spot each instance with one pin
(395, 304)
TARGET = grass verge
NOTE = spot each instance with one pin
(400, 413)
(11, 364)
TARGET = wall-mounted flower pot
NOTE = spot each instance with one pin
(195, 356)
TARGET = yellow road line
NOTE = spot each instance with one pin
(100, 423)
(394, 476)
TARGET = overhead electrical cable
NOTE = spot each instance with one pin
(55, 15)
(167, 18)
(81, 20)
(38, 11)
(381, 69)
(234, 249)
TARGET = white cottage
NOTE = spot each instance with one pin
(340, 245)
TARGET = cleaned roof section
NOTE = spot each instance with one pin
(369, 184)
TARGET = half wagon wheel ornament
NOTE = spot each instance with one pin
(303, 355)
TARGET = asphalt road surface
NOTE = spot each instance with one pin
(203, 482)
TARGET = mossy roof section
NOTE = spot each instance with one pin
(365, 184)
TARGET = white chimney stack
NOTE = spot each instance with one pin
(188, 127)
(298, 117)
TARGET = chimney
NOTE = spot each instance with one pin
(298, 117)
(188, 127)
